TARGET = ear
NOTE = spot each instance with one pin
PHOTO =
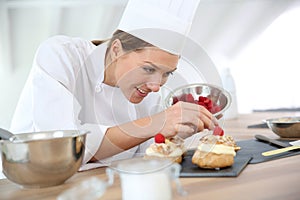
(116, 49)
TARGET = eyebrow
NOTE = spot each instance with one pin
(155, 66)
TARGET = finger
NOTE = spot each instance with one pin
(201, 109)
(192, 106)
(209, 123)
(200, 120)
(185, 130)
(215, 121)
(193, 120)
(192, 113)
(205, 112)
(194, 109)
(197, 125)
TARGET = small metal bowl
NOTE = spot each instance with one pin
(285, 127)
(220, 97)
(42, 159)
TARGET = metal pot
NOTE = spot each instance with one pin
(42, 159)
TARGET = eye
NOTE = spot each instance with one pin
(168, 74)
(149, 69)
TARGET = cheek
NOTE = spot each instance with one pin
(124, 69)
(128, 78)
(164, 80)
(121, 73)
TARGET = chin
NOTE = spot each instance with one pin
(136, 100)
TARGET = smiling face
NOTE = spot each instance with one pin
(140, 72)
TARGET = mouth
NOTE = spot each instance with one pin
(141, 92)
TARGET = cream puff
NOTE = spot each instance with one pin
(166, 148)
(215, 151)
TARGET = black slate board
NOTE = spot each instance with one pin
(188, 169)
(250, 153)
(254, 148)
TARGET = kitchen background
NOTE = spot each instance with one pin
(258, 40)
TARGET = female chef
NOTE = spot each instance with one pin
(108, 88)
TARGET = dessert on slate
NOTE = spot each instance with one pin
(215, 151)
(166, 148)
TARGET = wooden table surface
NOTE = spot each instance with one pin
(277, 179)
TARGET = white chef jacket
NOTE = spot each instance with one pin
(65, 91)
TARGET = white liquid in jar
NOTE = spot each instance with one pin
(146, 186)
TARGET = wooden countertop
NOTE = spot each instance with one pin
(277, 179)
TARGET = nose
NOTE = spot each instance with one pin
(154, 87)
(156, 81)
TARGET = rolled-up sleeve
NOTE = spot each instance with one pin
(93, 139)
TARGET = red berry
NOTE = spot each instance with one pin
(175, 100)
(189, 98)
(182, 97)
(209, 105)
(159, 138)
(218, 131)
(207, 100)
(215, 109)
(201, 98)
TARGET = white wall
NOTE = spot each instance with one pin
(267, 71)
(26, 23)
(224, 28)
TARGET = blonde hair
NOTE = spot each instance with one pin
(128, 41)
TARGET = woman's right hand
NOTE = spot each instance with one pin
(185, 119)
(182, 119)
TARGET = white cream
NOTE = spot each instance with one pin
(217, 148)
(175, 153)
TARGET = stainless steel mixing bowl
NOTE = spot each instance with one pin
(285, 127)
(42, 159)
(217, 95)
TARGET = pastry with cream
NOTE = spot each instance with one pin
(166, 148)
(215, 151)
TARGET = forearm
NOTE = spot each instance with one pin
(123, 137)
(184, 119)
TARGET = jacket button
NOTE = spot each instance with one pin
(98, 88)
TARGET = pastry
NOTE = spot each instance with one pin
(166, 148)
(215, 151)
